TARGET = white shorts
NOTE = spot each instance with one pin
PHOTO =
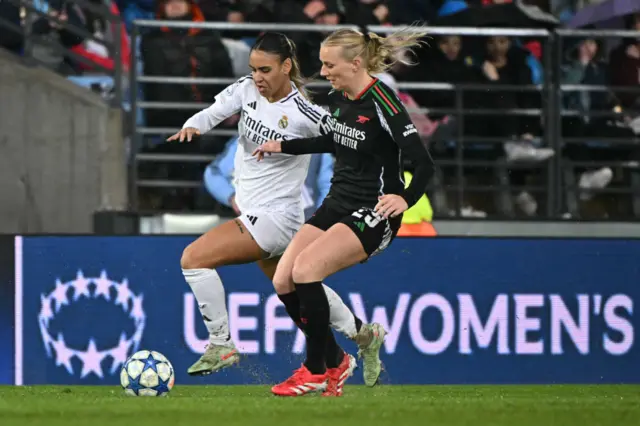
(273, 231)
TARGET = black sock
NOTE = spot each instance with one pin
(292, 305)
(333, 353)
(314, 310)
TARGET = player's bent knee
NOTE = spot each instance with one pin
(283, 284)
(282, 281)
(187, 260)
(191, 259)
(302, 271)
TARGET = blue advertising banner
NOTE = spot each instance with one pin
(7, 314)
(457, 311)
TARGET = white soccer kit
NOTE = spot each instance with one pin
(268, 193)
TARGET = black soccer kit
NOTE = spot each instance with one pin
(370, 136)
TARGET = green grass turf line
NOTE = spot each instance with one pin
(605, 405)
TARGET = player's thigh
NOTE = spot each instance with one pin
(227, 244)
(269, 266)
(272, 231)
(337, 249)
(282, 279)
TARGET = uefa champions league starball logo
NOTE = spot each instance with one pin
(90, 288)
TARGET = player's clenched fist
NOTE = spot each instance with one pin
(186, 133)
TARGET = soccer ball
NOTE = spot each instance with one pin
(147, 373)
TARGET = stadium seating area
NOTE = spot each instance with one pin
(512, 152)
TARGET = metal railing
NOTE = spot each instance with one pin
(551, 111)
(30, 12)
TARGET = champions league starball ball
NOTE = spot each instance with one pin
(147, 373)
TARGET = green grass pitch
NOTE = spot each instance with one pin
(384, 405)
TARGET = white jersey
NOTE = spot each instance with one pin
(275, 183)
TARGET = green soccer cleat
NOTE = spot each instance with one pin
(369, 340)
(215, 358)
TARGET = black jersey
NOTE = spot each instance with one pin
(370, 136)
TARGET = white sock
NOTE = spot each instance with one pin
(341, 318)
(209, 292)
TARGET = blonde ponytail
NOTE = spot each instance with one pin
(378, 53)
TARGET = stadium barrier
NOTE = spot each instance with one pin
(458, 310)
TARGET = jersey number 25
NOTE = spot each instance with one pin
(371, 218)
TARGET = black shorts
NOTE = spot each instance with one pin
(374, 232)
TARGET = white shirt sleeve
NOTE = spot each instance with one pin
(227, 103)
(319, 120)
(325, 125)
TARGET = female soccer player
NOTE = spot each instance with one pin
(268, 197)
(361, 215)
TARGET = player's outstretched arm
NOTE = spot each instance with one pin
(318, 145)
(227, 103)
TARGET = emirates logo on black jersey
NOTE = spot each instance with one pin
(347, 136)
(348, 131)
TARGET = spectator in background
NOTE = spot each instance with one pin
(441, 131)
(237, 42)
(443, 63)
(308, 43)
(503, 65)
(403, 12)
(359, 12)
(103, 30)
(177, 52)
(327, 12)
(218, 179)
(367, 12)
(624, 63)
(9, 38)
(50, 36)
(135, 9)
(507, 65)
(238, 11)
(585, 67)
(221, 10)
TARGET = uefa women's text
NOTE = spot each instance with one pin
(502, 324)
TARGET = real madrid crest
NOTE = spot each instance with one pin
(284, 122)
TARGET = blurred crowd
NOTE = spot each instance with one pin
(489, 61)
